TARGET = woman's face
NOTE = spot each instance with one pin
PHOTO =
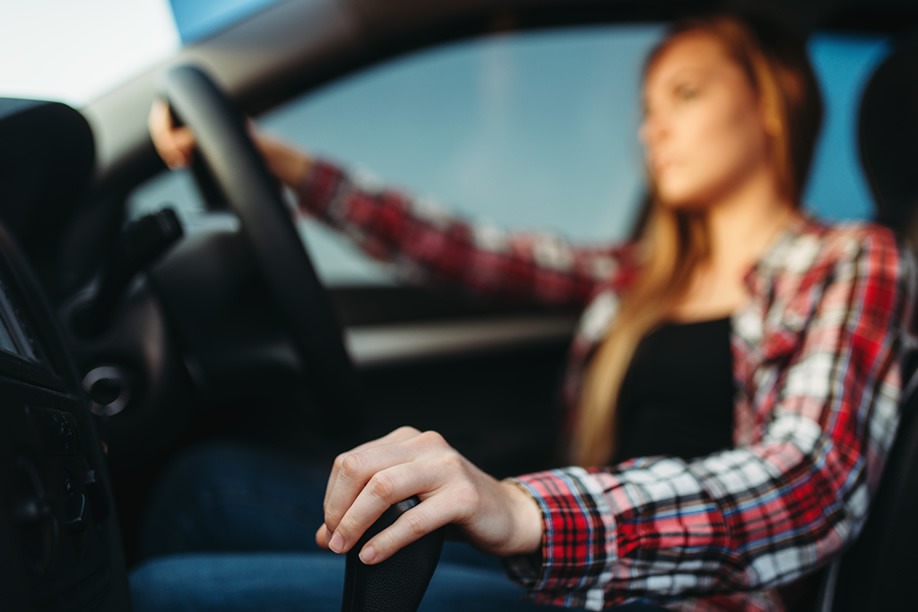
(703, 129)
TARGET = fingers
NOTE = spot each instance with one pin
(359, 467)
(322, 536)
(384, 489)
(344, 459)
(372, 477)
(411, 526)
(173, 144)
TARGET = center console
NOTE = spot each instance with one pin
(60, 548)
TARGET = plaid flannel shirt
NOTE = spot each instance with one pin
(817, 351)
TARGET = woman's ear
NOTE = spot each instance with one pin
(771, 119)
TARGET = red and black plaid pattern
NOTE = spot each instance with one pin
(817, 350)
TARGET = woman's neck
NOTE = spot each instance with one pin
(743, 225)
(740, 230)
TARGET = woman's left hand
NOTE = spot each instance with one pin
(498, 517)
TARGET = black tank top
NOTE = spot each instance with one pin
(677, 395)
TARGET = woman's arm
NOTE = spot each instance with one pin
(438, 247)
(424, 241)
(757, 516)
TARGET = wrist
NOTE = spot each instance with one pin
(526, 520)
(289, 165)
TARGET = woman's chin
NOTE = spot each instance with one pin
(681, 202)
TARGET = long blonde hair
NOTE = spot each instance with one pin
(673, 241)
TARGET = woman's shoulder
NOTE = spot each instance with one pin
(846, 240)
(813, 250)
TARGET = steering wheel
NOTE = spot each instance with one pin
(254, 195)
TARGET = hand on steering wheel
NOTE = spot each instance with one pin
(224, 139)
(176, 145)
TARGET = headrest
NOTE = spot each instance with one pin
(888, 136)
(47, 158)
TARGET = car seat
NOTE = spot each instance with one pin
(878, 570)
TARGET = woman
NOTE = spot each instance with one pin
(780, 340)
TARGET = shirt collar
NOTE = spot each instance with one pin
(757, 278)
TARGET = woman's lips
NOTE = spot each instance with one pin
(661, 164)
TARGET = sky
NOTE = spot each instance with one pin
(115, 38)
(73, 51)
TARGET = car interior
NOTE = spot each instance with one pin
(128, 334)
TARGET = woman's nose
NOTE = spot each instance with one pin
(653, 129)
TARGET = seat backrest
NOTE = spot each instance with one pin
(880, 570)
(888, 138)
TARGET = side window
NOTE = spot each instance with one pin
(531, 131)
(837, 188)
(534, 131)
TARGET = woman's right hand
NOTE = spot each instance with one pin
(498, 517)
(173, 144)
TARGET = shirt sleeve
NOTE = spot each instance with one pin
(431, 245)
(756, 516)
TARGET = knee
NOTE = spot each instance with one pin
(199, 469)
(156, 586)
(176, 513)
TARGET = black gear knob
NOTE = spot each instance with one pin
(398, 583)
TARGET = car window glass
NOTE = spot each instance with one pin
(201, 18)
(531, 131)
(502, 129)
(837, 188)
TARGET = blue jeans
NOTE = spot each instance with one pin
(231, 528)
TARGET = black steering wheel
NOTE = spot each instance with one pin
(254, 195)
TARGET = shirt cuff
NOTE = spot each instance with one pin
(578, 539)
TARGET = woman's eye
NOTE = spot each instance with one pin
(686, 92)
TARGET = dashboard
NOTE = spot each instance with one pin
(60, 547)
